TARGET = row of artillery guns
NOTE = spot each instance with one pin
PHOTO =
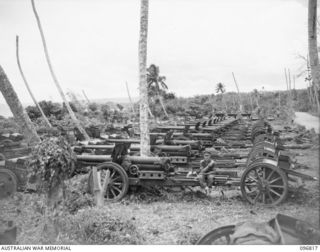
(176, 152)
(12, 146)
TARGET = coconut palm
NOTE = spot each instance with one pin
(54, 77)
(17, 110)
(157, 82)
(313, 49)
(28, 87)
(256, 96)
(220, 88)
(144, 126)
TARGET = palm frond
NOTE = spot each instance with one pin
(164, 85)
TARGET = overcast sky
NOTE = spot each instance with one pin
(197, 43)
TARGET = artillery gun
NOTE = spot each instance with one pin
(269, 168)
(264, 180)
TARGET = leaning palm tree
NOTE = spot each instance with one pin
(48, 124)
(54, 77)
(17, 110)
(144, 126)
(156, 81)
(313, 50)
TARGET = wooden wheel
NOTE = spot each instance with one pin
(7, 142)
(263, 182)
(8, 183)
(219, 236)
(117, 181)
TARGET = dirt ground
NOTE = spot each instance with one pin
(183, 217)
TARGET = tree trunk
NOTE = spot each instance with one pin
(144, 127)
(97, 188)
(28, 87)
(85, 96)
(240, 101)
(17, 110)
(55, 80)
(312, 42)
(162, 105)
(316, 96)
(250, 98)
(132, 105)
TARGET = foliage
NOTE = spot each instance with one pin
(33, 112)
(93, 106)
(220, 88)
(49, 108)
(105, 110)
(8, 125)
(120, 107)
(99, 227)
(53, 161)
(77, 196)
(154, 78)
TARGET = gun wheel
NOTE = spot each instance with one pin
(264, 183)
(219, 236)
(117, 181)
(8, 183)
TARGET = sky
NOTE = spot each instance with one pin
(93, 45)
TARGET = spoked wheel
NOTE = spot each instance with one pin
(219, 236)
(8, 183)
(264, 183)
(7, 142)
(117, 182)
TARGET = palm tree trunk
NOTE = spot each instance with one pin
(285, 74)
(240, 101)
(28, 87)
(55, 80)
(17, 110)
(316, 96)
(162, 105)
(250, 98)
(85, 96)
(144, 127)
(310, 96)
(150, 113)
(132, 106)
(312, 44)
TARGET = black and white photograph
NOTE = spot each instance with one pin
(159, 122)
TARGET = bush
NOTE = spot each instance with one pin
(77, 196)
(99, 227)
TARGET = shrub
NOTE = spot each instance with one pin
(99, 227)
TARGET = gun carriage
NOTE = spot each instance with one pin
(262, 174)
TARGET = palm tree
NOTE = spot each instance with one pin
(256, 96)
(144, 126)
(313, 50)
(156, 81)
(54, 77)
(220, 90)
(239, 96)
(28, 87)
(17, 110)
